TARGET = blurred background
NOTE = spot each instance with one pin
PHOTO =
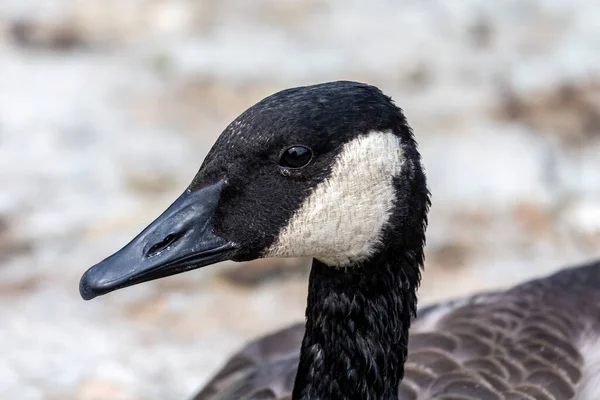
(107, 108)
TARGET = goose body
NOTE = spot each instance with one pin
(332, 171)
(534, 341)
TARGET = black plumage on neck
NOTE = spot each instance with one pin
(357, 323)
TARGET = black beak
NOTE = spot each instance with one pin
(179, 240)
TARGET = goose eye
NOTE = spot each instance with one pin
(295, 157)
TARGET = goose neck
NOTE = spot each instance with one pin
(357, 322)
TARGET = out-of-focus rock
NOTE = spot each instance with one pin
(535, 219)
(11, 244)
(570, 111)
(21, 287)
(150, 183)
(261, 271)
(451, 255)
(49, 36)
(482, 32)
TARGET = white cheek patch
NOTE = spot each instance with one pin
(342, 219)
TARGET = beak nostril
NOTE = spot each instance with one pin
(162, 245)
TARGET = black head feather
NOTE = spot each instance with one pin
(260, 197)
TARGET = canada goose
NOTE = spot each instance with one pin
(332, 171)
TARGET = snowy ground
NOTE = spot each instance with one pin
(108, 107)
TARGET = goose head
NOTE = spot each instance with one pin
(330, 171)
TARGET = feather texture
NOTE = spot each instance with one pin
(534, 341)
